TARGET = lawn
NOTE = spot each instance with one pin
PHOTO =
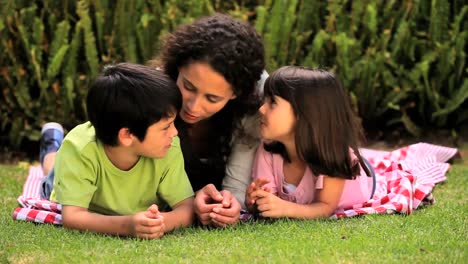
(434, 234)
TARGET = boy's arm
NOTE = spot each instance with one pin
(182, 215)
(142, 225)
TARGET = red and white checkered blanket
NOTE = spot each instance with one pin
(33, 208)
(405, 179)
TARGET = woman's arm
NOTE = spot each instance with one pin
(239, 166)
(239, 171)
(325, 203)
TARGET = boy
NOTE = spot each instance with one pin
(113, 172)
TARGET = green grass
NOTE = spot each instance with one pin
(434, 234)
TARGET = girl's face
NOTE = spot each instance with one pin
(204, 91)
(278, 120)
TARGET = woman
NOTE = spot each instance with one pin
(217, 62)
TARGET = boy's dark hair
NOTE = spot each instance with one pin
(130, 96)
(326, 125)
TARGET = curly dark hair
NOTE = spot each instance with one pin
(231, 47)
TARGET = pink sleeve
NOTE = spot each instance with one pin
(263, 168)
(319, 182)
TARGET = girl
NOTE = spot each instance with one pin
(309, 165)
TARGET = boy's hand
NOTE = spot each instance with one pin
(148, 224)
(256, 185)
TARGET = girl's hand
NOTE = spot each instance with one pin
(270, 205)
(256, 185)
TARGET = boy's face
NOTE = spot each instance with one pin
(158, 139)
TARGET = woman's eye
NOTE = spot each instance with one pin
(188, 87)
(211, 99)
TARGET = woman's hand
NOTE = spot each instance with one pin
(228, 214)
(216, 208)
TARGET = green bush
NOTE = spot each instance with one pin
(50, 50)
(401, 60)
(404, 62)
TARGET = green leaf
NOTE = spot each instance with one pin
(457, 99)
(56, 63)
(60, 38)
(410, 125)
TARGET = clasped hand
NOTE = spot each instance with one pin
(148, 224)
(258, 198)
(217, 208)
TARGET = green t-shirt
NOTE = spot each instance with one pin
(85, 177)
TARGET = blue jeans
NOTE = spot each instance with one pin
(47, 184)
(51, 140)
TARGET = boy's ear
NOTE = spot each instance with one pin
(125, 138)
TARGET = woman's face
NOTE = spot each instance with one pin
(204, 92)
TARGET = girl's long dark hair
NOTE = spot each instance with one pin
(326, 125)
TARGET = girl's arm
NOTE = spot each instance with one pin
(325, 203)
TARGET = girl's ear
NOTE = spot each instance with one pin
(124, 137)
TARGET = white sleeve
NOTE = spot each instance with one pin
(239, 165)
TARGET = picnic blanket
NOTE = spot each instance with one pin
(33, 208)
(405, 179)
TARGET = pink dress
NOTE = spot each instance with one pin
(270, 166)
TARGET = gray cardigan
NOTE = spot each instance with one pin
(239, 165)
